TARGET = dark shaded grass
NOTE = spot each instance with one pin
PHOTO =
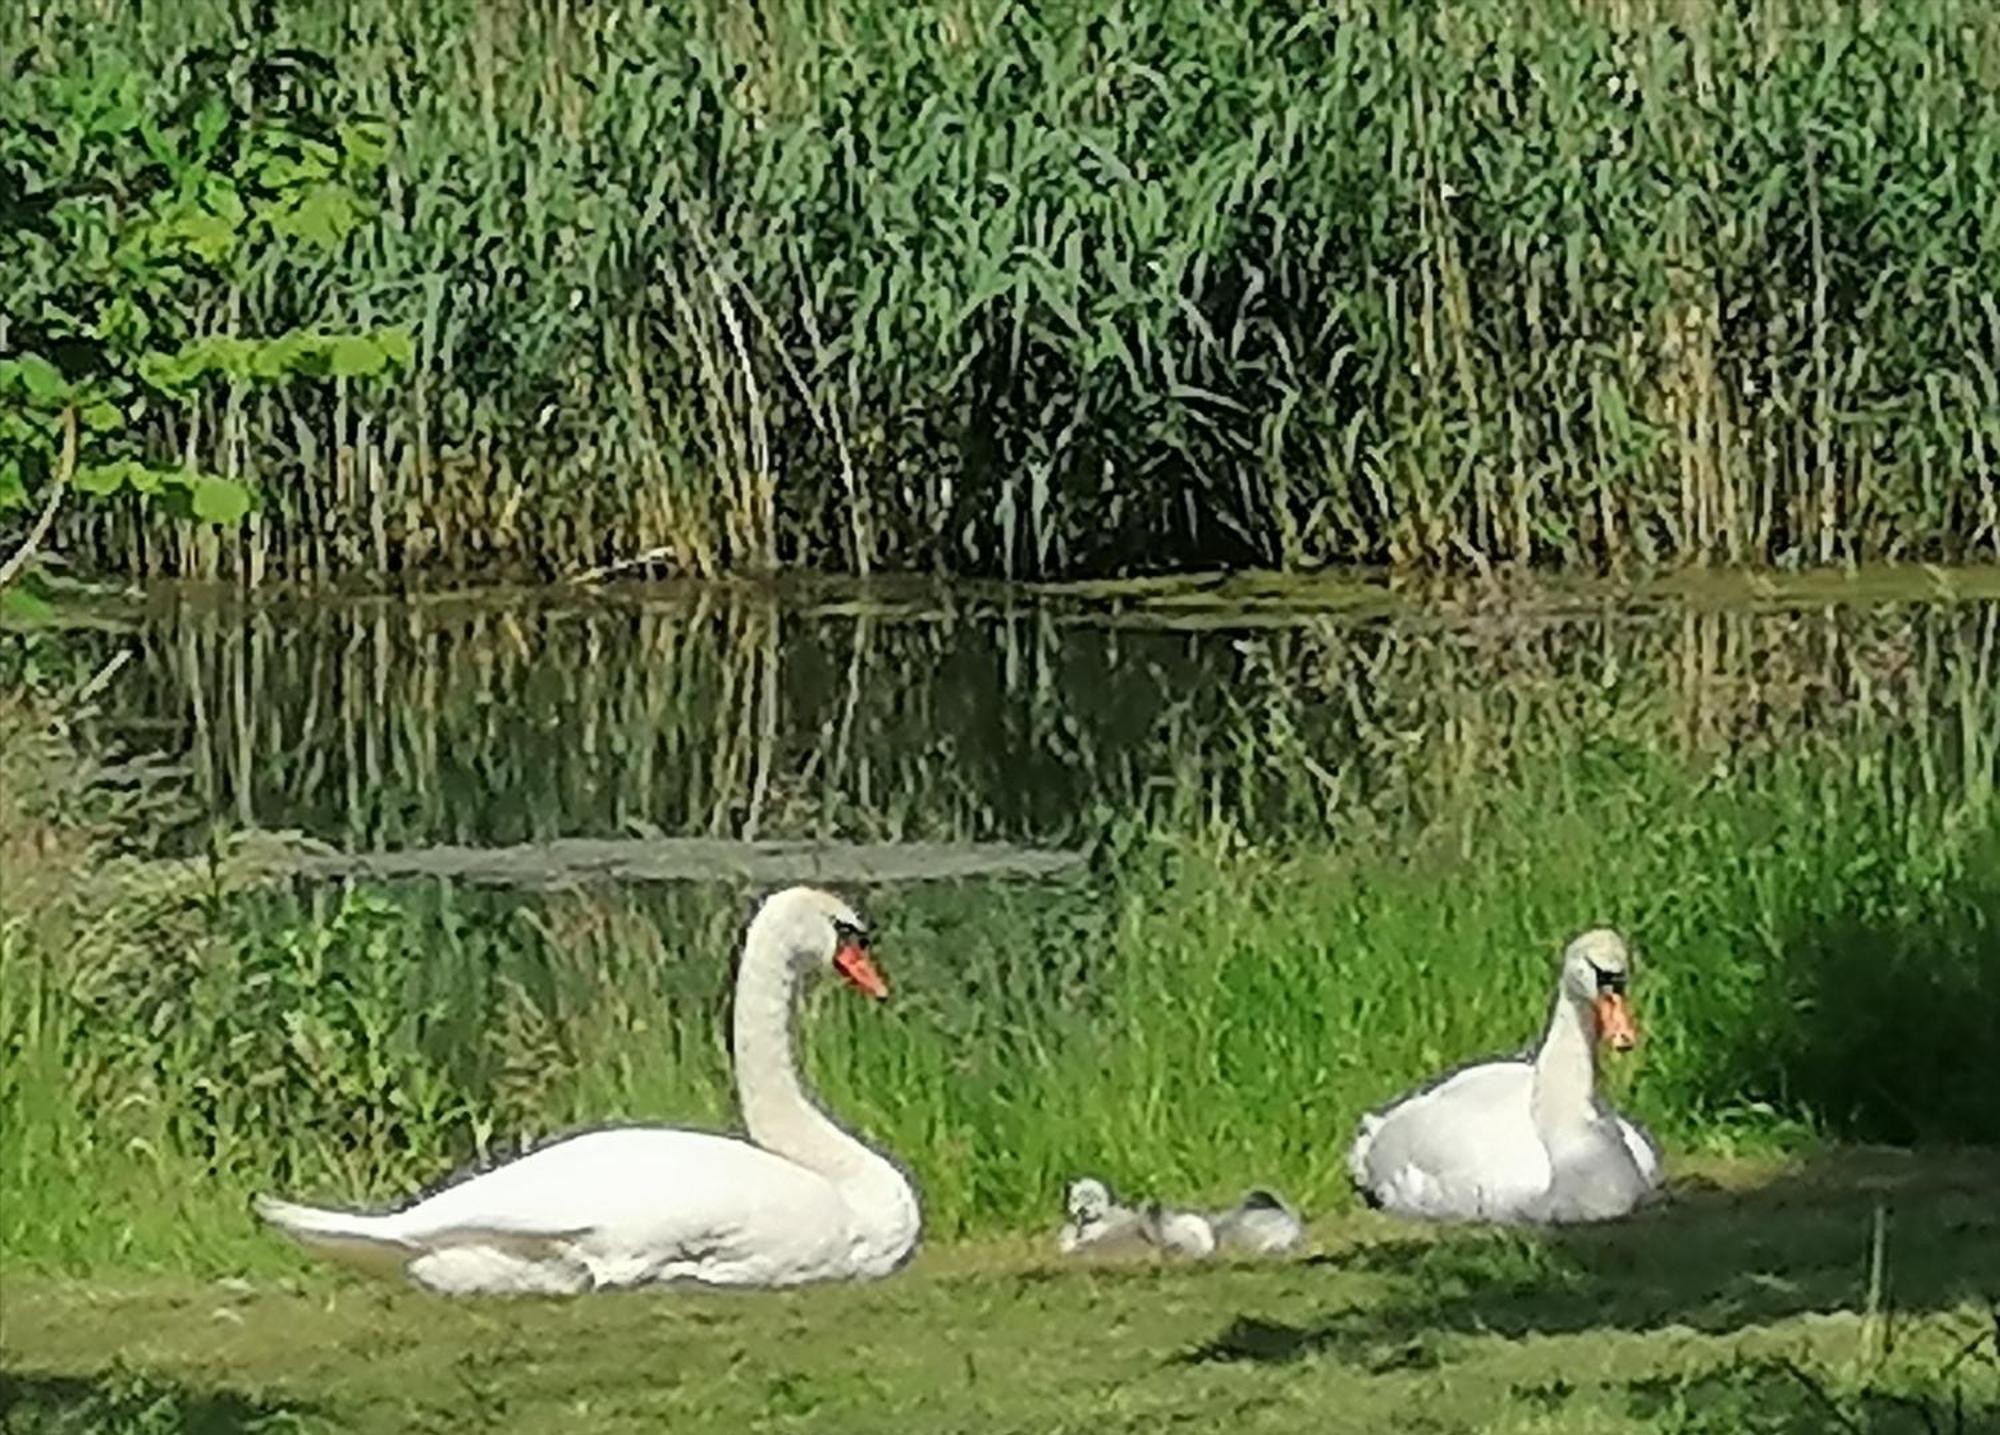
(128, 1402)
(1712, 1260)
(1883, 1015)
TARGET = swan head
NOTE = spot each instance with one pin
(1596, 968)
(818, 932)
(1089, 1200)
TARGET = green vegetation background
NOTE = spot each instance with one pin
(979, 286)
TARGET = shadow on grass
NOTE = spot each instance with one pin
(1881, 1013)
(1779, 1397)
(123, 1403)
(1710, 1260)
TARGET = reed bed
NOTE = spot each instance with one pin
(983, 287)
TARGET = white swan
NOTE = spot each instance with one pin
(1523, 1139)
(801, 1200)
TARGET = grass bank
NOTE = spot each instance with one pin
(1816, 922)
(984, 287)
(1741, 1309)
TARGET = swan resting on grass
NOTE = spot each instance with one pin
(800, 1200)
(1522, 1140)
(1261, 1224)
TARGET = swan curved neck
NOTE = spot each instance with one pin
(1565, 1091)
(779, 1114)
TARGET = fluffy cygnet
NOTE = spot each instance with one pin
(1096, 1221)
(1260, 1225)
(1178, 1233)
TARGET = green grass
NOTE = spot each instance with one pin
(984, 287)
(1742, 1307)
(1195, 1014)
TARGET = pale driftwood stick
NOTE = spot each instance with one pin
(637, 560)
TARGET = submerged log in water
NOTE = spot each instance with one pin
(568, 860)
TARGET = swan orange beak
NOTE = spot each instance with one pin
(850, 959)
(1614, 1022)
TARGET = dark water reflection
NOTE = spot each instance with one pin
(732, 713)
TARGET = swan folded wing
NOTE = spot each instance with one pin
(1464, 1148)
(640, 1205)
(1595, 1175)
(1645, 1151)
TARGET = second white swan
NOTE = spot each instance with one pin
(801, 1200)
(1524, 1139)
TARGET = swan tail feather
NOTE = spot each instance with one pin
(367, 1241)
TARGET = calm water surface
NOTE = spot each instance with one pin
(945, 715)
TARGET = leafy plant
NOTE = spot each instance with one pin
(126, 211)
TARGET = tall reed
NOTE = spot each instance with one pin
(978, 286)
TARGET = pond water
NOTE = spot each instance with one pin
(957, 716)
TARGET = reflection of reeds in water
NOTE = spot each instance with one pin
(727, 715)
(1399, 722)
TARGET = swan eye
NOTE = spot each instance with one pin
(849, 935)
(1608, 981)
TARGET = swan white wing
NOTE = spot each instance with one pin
(642, 1205)
(1463, 1149)
(1600, 1172)
(1645, 1151)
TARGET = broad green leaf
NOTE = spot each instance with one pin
(220, 197)
(169, 373)
(352, 356)
(281, 172)
(102, 417)
(13, 490)
(44, 381)
(323, 215)
(218, 500)
(20, 601)
(210, 123)
(210, 237)
(102, 479)
(366, 144)
(224, 354)
(122, 109)
(150, 481)
(286, 354)
(397, 346)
